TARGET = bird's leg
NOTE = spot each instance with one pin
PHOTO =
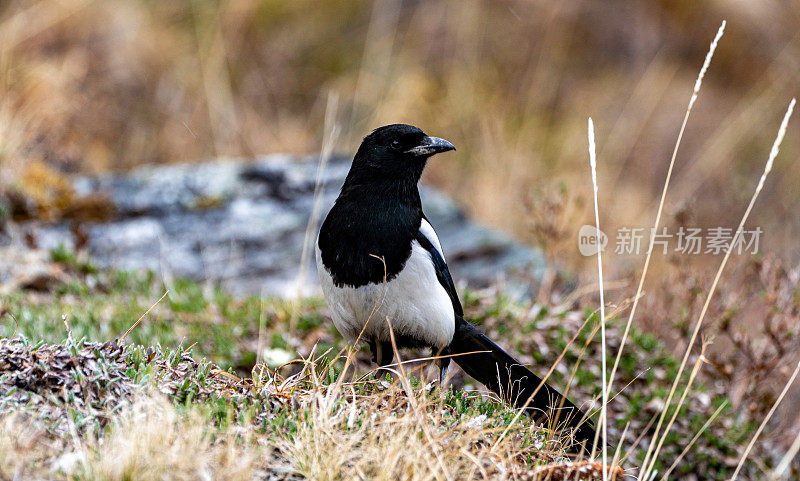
(373, 349)
(385, 353)
(444, 363)
(382, 353)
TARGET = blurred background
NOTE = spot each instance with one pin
(93, 87)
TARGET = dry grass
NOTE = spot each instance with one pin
(357, 439)
(148, 440)
(372, 439)
(151, 440)
(318, 426)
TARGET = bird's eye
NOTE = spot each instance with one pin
(395, 144)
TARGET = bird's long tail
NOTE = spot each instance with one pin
(514, 383)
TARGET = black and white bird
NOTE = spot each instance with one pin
(379, 259)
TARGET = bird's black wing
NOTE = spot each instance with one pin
(442, 272)
(493, 367)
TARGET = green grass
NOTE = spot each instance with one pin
(225, 328)
(223, 334)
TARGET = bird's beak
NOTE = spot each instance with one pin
(430, 146)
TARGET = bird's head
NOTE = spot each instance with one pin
(398, 151)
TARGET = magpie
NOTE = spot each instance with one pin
(379, 259)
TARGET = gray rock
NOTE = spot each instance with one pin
(245, 225)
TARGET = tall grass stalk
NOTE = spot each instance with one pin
(603, 410)
(328, 143)
(767, 169)
(698, 83)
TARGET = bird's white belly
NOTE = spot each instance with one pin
(414, 302)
